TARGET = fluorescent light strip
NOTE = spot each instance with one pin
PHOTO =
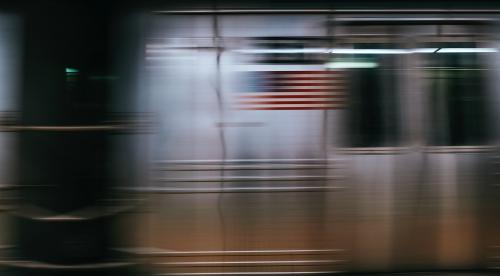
(424, 50)
(350, 65)
(370, 51)
(367, 51)
(467, 50)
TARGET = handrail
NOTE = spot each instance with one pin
(73, 128)
(277, 167)
(250, 178)
(229, 161)
(458, 149)
(164, 190)
(251, 263)
(324, 11)
(51, 266)
(89, 213)
(265, 252)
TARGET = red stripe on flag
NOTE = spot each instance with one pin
(305, 72)
(278, 83)
(305, 90)
(292, 102)
(287, 96)
(306, 78)
(289, 108)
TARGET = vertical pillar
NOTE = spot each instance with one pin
(61, 223)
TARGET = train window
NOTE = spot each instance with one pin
(289, 50)
(373, 109)
(457, 95)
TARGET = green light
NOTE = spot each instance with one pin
(71, 71)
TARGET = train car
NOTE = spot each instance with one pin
(314, 142)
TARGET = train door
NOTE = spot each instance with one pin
(490, 225)
(416, 137)
(457, 136)
(241, 181)
(373, 139)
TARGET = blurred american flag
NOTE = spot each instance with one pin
(293, 90)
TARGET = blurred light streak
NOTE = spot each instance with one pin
(350, 65)
(467, 50)
(371, 51)
(366, 51)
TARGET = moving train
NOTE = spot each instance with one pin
(314, 142)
